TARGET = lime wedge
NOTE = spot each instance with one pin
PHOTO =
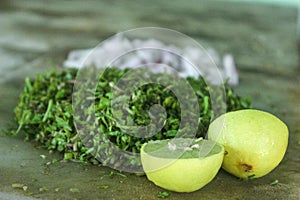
(181, 164)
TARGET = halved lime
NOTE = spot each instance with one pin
(181, 164)
(255, 141)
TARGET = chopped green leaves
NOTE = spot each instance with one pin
(45, 113)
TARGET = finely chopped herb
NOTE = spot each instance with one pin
(45, 113)
(275, 182)
(103, 187)
(163, 194)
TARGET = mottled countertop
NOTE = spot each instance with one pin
(35, 36)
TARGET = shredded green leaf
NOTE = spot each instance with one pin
(45, 113)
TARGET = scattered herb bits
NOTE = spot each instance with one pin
(19, 186)
(275, 182)
(74, 190)
(103, 187)
(163, 195)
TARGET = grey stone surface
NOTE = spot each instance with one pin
(36, 35)
(8, 196)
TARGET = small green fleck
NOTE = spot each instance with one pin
(122, 175)
(140, 174)
(163, 194)
(275, 182)
(74, 190)
(50, 103)
(43, 157)
(29, 193)
(55, 160)
(43, 189)
(251, 177)
(113, 174)
(34, 180)
(68, 156)
(296, 131)
(103, 186)
(17, 185)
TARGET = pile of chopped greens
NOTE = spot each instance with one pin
(45, 113)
